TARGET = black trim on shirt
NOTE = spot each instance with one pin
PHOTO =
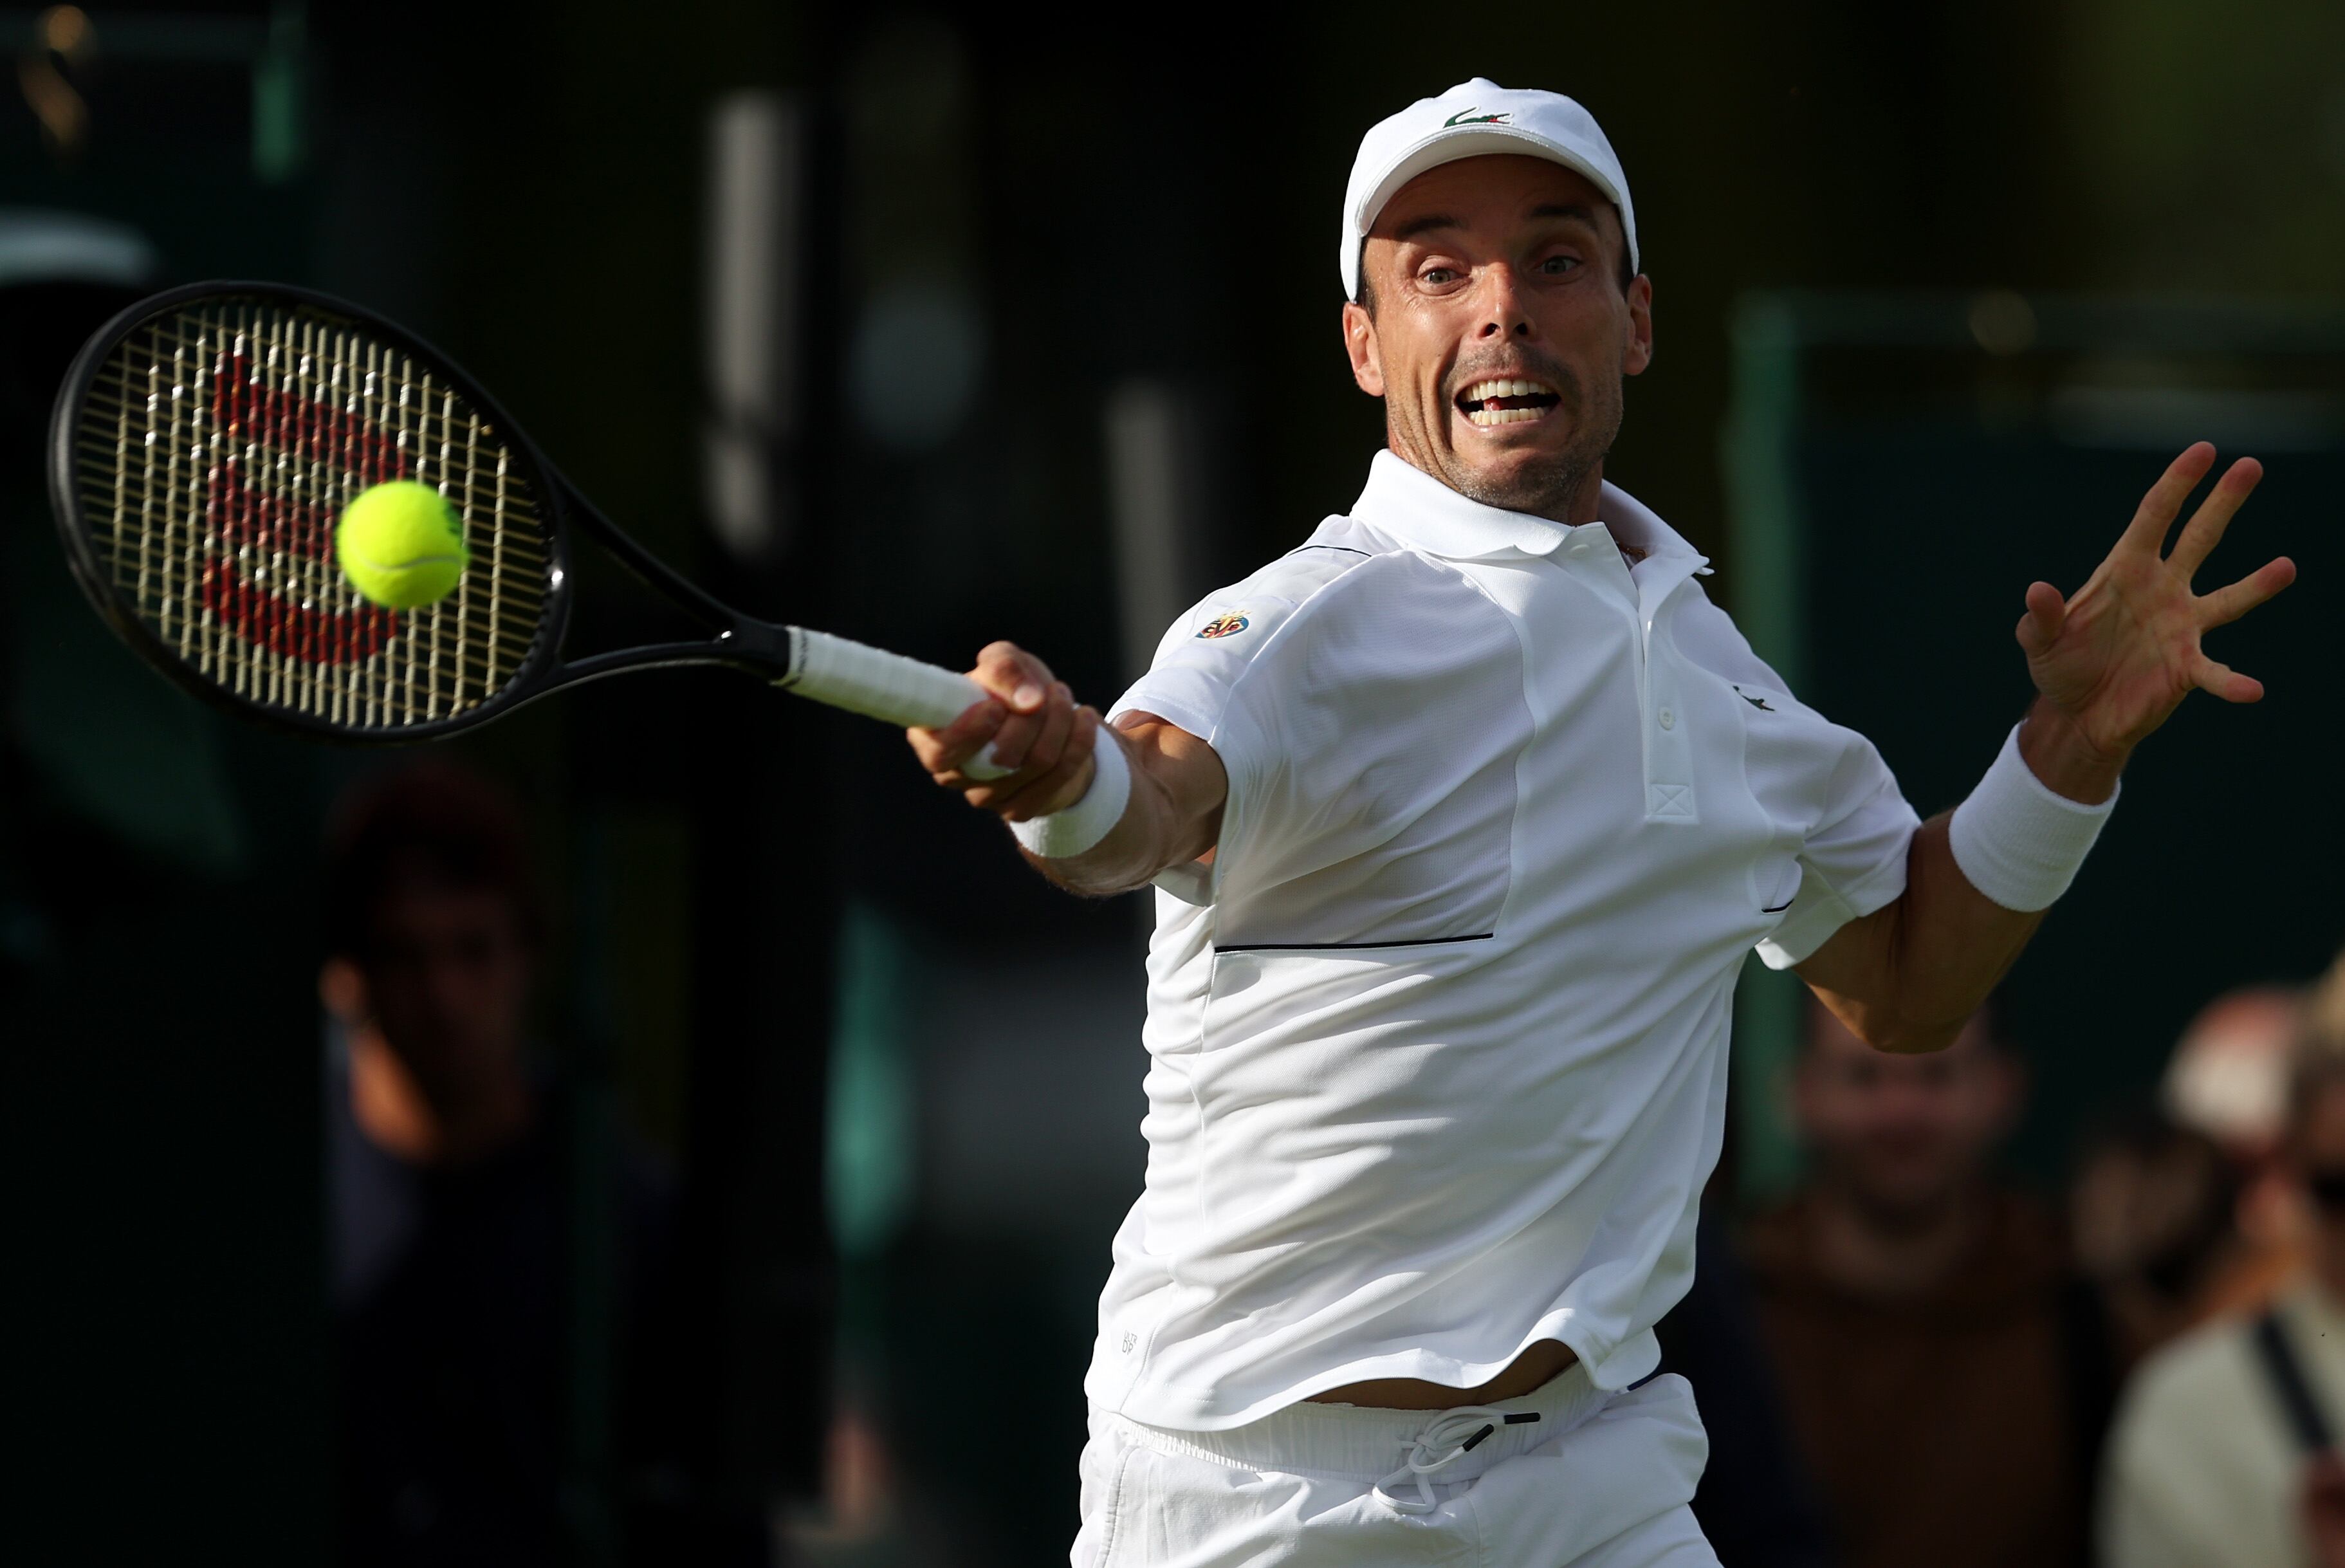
(1351, 946)
(2307, 1421)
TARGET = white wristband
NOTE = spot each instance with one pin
(2018, 841)
(1065, 834)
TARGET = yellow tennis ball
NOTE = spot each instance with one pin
(402, 544)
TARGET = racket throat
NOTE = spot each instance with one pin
(758, 648)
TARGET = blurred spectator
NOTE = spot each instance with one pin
(1946, 1374)
(2152, 1213)
(452, 1192)
(2228, 1075)
(2228, 1078)
(2185, 1213)
(2223, 1456)
(1757, 1504)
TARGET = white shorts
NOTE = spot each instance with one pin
(1599, 1480)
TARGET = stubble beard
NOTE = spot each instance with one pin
(1549, 485)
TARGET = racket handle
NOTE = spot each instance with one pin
(884, 686)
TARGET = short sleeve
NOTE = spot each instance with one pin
(1205, 653)
(1202, 657)
(1826, 787)
(1854, 859)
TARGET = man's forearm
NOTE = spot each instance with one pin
(1907, 977)
(1923, 965)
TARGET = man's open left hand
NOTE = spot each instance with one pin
(2121, 655)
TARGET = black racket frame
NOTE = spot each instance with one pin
(737, 641)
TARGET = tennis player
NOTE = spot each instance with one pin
(1462, 816)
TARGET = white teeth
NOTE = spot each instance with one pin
(1505, 416)
(1502, 387)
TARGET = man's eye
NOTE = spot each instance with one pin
(1437, 276)
(1558, 265)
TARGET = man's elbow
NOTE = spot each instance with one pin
(1101, 879)
(1903, 1034)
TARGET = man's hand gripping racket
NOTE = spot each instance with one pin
(1033, 726)
(206, 441)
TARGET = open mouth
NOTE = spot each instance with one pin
(1501, 401)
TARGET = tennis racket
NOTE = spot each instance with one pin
(202, 448)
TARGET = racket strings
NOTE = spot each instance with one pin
(215, 450)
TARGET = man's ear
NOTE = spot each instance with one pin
(1360, 343)
(1639, 352)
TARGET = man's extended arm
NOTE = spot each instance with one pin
(2109, 667)
(1172, 815)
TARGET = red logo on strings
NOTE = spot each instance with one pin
(250, 517)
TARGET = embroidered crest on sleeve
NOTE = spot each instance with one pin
(1224, 626)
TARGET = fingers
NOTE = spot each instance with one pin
(2047, 612)
(2225, 606)
(2199, 536)
(1020, 684)
(1013, 675)
(1035, 734)
(1036, 739)
(941, 751)
(1034, 729)
(1060, 784)
(2223, 681)
(2157, 510)
(1025, 686)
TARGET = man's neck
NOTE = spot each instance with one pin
(396, 1115)
(1866, 1253)
(1574, 506)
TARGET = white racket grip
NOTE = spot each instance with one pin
(884, 686)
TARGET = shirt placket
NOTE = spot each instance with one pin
(1667, 738)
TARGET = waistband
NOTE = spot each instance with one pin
(1362, 1443)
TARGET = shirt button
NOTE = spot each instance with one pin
(1669, 720)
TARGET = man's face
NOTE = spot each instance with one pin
(1901, 1136)
(1500, 331)
(446, 980)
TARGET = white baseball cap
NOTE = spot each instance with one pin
(1470, 120)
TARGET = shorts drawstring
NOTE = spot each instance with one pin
(1459, 1431)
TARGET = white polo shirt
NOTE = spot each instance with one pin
(1438, 1039)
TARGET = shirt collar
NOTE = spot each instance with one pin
(1419, 510)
